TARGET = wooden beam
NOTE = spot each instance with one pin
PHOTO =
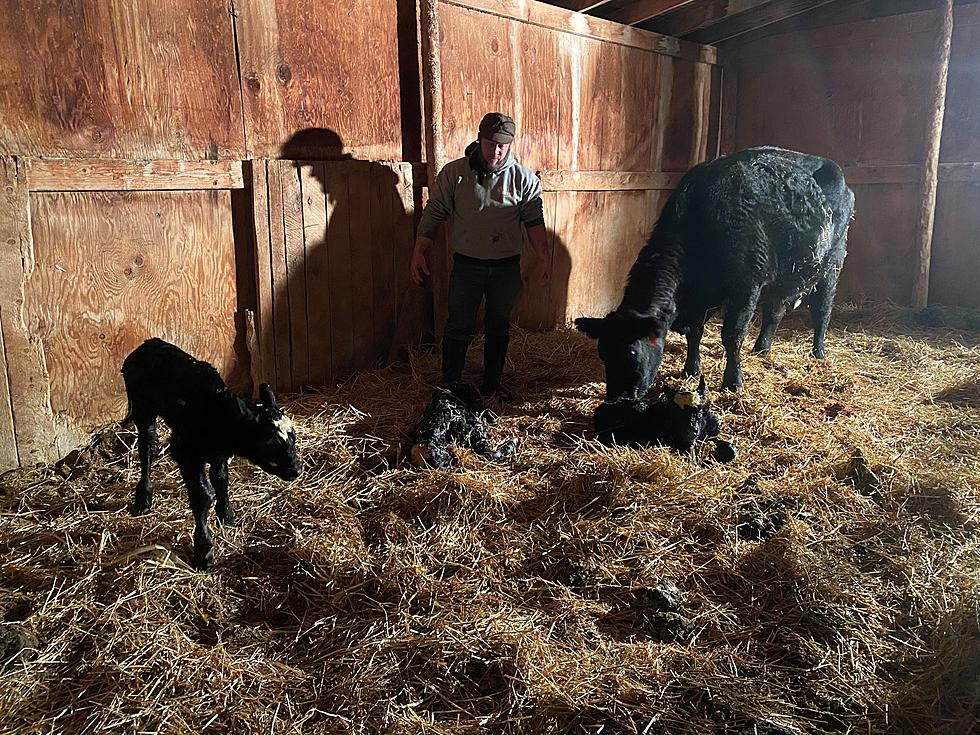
(588, 26)
(435, 151)
(631, 12)
(758, 16)
(566, 180)
(580, 6)
(930, 163)
(115, 175)
(716, 20)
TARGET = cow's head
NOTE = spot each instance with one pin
(631, 347)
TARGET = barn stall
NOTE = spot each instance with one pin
(244, 180)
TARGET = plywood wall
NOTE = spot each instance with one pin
(119, 79)
(115, 268)
(585, 98)
(859, 93)
(320, 64)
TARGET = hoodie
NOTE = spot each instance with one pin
(487, 207)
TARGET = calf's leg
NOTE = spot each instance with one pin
(199, 496)
(223, 510)
(146, 428)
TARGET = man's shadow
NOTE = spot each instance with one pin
(351, 304)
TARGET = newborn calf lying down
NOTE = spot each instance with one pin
(452, 416)
(677, 419)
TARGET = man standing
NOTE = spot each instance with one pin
(489, 195)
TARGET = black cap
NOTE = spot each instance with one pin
(497, 127)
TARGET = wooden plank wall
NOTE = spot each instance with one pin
(858, 93)
(586, 97)
(337, 237)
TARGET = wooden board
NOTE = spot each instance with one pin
(119, 79)
(342, 233)
(320, 65)
(880, 246)
(95, 175)
(115, 268)
(961, 122)
(955, 270)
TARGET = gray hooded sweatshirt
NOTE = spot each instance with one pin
(487, 207)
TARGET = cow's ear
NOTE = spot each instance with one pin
(591, 326)
(643, 326)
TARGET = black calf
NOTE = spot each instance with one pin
(678, 419)
(451, 416)
(209, 425)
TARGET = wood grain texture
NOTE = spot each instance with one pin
(320, 64)
(265, 371)
(119, 79)
(27, 374)
(95, 175)
(115, 268)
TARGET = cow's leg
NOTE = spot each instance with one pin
(821, 303)
(692, 365)
(146, 443)
(199, 496)
(772, 314)
(223, 510)
(738, 314)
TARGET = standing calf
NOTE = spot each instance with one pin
(765, 226)
(209, 424)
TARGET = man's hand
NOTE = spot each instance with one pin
(419, 267)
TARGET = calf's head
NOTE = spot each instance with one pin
(631, 347)
(272, 439)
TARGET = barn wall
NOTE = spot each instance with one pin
(859, 93)
(127, 212)
(587, 96)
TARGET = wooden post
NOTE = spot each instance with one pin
(930, 163)
(434, 151)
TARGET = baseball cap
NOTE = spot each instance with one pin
(497, 127)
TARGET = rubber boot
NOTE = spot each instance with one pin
(453, 360)
(494, 354)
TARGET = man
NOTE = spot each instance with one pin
(489, 196)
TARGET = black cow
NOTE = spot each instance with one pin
(209, 424)
(679, 419)
(766, 227)
(452, 416)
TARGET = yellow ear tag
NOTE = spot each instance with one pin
(685, 398)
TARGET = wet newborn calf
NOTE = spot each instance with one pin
(451, 416)
(678, 419)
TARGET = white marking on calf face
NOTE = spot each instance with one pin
(284, 426)
(686, 398)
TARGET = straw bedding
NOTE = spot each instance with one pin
(825, 581)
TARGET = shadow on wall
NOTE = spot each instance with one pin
(347, 302)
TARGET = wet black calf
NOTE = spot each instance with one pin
(209, 424)
(678, 419)
(452, 416)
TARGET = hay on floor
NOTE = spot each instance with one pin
(825, 581)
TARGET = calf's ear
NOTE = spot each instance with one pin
(702, 388)
(591, 326)
(265, 395)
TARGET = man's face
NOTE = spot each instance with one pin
(494, 153)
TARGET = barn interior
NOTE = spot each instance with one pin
(244, 179)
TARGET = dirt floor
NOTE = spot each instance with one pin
(826, 581)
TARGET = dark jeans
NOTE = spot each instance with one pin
(472, 280)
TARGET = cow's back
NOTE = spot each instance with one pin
(764, 217)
